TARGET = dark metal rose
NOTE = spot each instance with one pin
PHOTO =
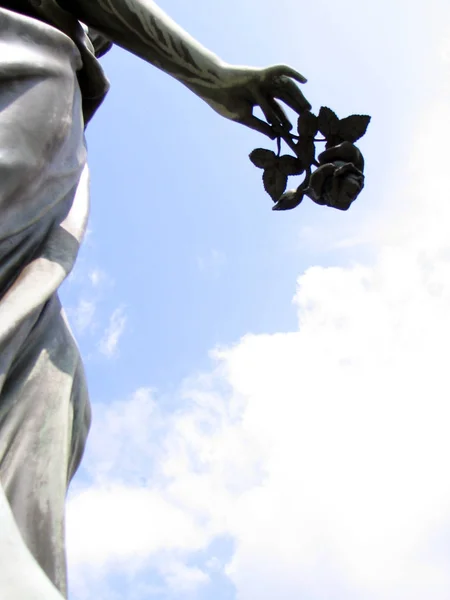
(336, 184)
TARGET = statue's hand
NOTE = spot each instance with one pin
(241, 89)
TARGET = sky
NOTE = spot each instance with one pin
(270, 391)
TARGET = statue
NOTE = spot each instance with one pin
(52, 84)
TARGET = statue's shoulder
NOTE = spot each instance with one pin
(93, 82)
(59, 14)
(50, 11)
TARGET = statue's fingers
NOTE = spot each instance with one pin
(257, 124)
(285, 70)
(288, 92)
(273, 112)
(280, 113)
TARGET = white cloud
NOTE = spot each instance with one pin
(133, 513)
(214, 564)
(108, 345)
(83, 315)
(126, 523)
(182, 579)
(85, 301)
(444, 48)
(96, 277)
(355, 415)
(212, 263)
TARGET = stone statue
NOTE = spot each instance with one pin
(52, 84)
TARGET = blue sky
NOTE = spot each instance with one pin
(260, 381)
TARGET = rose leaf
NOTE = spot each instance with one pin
(290, 165)
(354, 127)
(262, 158)
(289, 200)
(308, 124)
(274, 182)
(328, 122)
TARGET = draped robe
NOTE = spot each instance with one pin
(44, 203)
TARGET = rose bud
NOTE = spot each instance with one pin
(336, 185)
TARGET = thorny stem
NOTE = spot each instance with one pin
(305, 183)
(287, 138)
(297, 137)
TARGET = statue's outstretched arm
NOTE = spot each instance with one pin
(142, 28)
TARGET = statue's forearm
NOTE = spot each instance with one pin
(142, 28)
